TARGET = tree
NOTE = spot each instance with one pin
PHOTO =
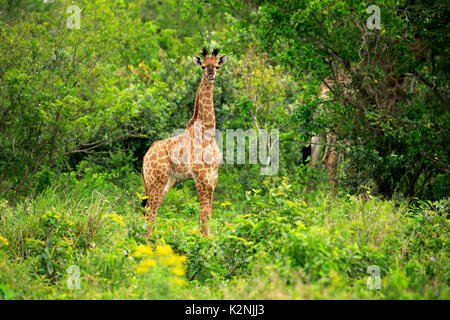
(394, 108)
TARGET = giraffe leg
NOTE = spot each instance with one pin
(157, 183)
(214, 178)
(205, 184)
(169, 185)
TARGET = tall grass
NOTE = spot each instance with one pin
(266, 243)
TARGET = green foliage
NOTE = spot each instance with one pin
(319, 249)
(67, 94)
(392, 105)
(79, 109)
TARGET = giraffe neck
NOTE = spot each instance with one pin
(204, 105)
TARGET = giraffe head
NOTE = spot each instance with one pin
(210, 64)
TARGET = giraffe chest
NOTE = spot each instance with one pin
(188, 159)
(181, 172)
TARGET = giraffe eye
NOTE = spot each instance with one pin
(217, 67)
(203, 67)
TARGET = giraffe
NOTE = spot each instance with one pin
(191, 155)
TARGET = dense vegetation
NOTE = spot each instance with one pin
(80, 107)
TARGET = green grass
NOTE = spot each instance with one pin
(266, 243)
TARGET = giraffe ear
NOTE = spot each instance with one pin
(198, 61)
(222, 60)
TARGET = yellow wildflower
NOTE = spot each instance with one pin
(148, 263)
(4, 240)
(145, 265)
(178, 271)
(280, 193)
(195, 230)
(172, 260)
(180, 281)
(119, 219)
(225, 203)
(141, 250)
(163, 250)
